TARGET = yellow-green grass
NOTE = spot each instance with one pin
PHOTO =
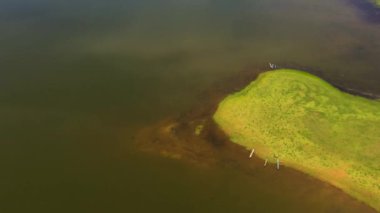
(377, 2)
(310, 126)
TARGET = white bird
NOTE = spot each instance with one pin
(272, 66)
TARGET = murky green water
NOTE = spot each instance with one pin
(78, 78)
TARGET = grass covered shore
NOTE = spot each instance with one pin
(310, 126)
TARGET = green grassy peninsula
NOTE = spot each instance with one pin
(311, 126)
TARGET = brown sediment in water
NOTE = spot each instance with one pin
(176, 138)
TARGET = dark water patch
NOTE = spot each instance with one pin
(357, 92)
(368, 10)
(340, 84)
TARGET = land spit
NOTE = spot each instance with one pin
(194, 138)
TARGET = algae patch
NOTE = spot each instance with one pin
(310, 126)
(377, 3)
(198, 129)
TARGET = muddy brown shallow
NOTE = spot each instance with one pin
(175, 138)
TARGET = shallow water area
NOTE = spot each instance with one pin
(79, 79)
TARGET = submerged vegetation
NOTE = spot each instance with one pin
(311, 126)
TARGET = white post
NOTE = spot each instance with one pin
(278, 164)
(250, 155)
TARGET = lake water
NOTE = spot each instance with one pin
(79, 78)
